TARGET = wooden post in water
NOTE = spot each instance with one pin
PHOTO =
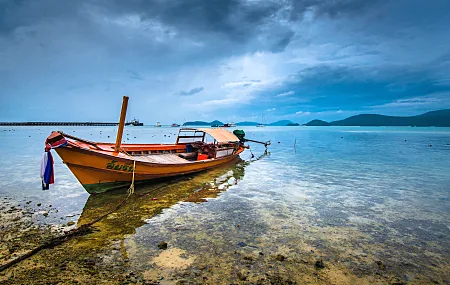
(123, 114)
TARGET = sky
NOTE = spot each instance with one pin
(231, 60)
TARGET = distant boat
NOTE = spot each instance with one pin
(229, 125)
(134, 122)
(263, 122)
(214, 125)
(158, 124)
(175, 125)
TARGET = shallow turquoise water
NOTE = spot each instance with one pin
(351, 193)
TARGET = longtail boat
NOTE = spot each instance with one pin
(100, 166)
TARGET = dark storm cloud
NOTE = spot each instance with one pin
(332, 8)
(332, 87)
(219, 15)
(233, 18)
(190, 92)
(236, 20)
(226, 23)
(221, 27)
(345, 7)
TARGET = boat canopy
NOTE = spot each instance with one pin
(220, 135)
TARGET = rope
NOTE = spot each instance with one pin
(131, 189)
(251, 152)
(81, 231)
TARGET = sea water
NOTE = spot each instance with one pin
(368, 202)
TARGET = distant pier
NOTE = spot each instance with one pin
(57, 124)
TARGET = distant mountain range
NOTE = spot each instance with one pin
(246, 123)
(440, 118)
(202, 123)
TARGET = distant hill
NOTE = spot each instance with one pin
(216, 122)
(281, 123)
(440, 118)
(202, 123)
(247, 124)
(319, 123)
(293, 125)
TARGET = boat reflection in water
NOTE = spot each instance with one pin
(150, 200)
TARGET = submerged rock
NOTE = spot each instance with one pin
(162, 245)
(381, 265)
(280, 257)
(241, 275)
(241, 244)
(319, 264)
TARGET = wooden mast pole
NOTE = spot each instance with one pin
(123, 114)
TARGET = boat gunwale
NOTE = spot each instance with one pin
(103, 146)
(129, 158)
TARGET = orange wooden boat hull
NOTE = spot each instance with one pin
(101, 169)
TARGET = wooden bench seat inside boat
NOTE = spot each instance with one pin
(167, 158)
